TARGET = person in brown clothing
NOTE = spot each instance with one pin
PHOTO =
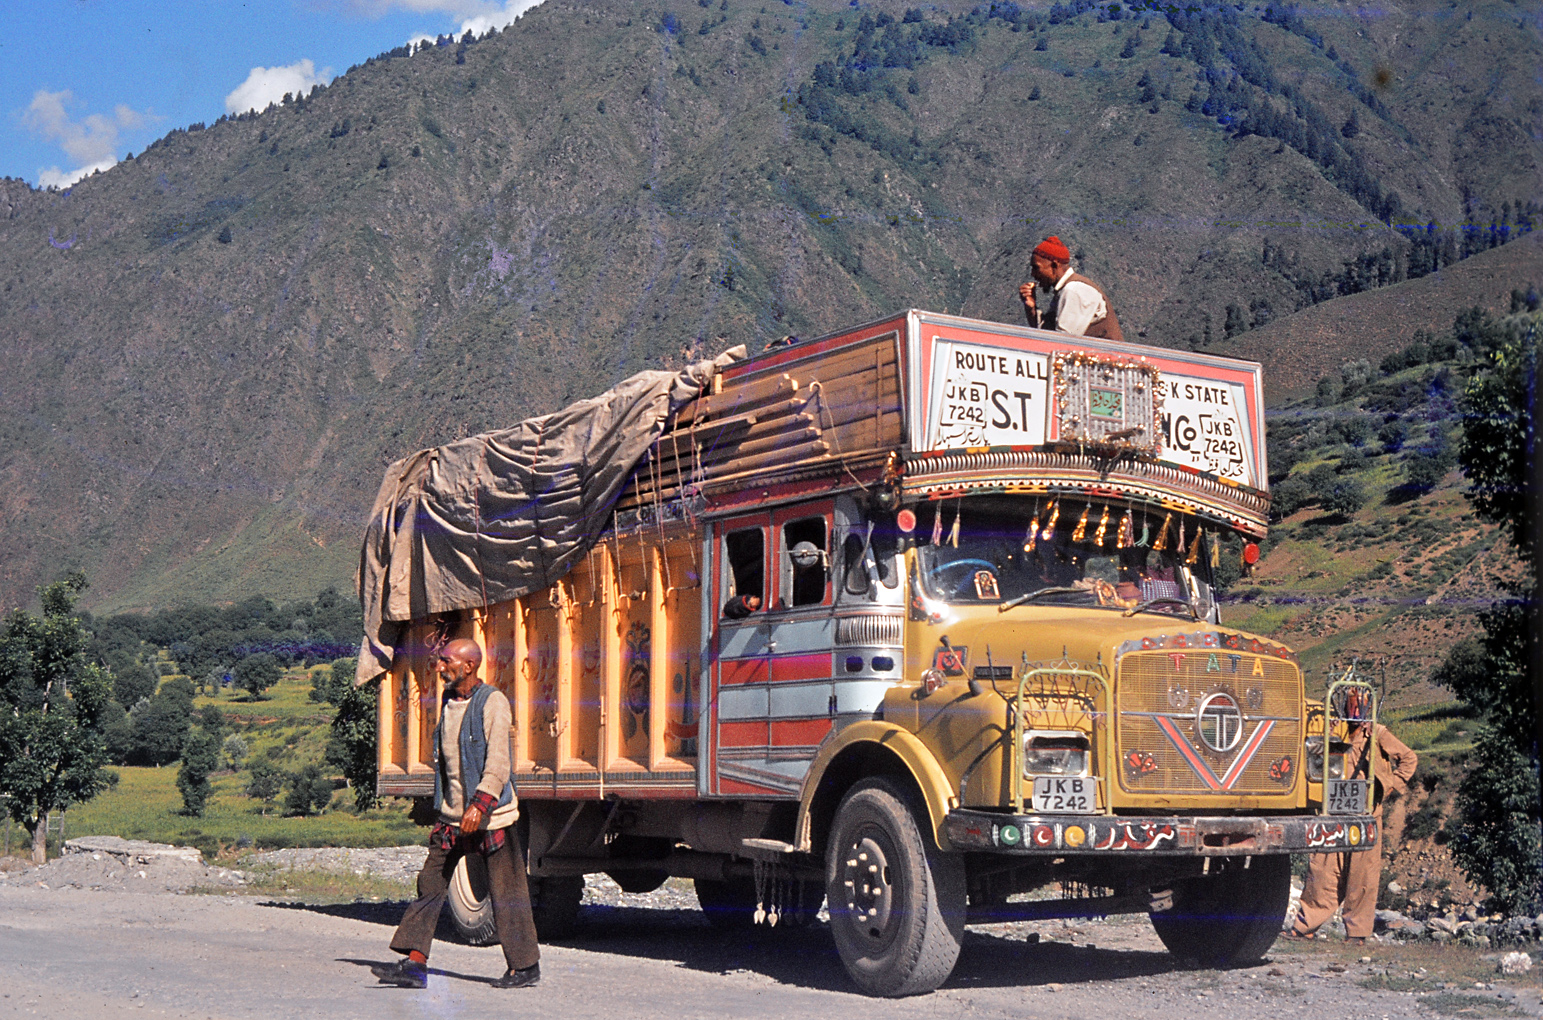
(472, 740)
(1076, 304)
(1350, 880)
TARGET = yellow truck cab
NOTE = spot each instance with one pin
(910, 619)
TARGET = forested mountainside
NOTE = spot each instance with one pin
(214, 347)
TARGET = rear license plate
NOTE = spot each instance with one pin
(1346, 796)
(1073, 795)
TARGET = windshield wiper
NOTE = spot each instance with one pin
(1032, 595)
(1149, 603)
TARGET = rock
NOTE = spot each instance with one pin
(131, 851)
(1441, 924)
(1437, 935)
(1470, 913)
(1514, 963)
(1395, 888)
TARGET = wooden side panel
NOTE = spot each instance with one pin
(602, 671)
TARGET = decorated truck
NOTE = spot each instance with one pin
(907, 620)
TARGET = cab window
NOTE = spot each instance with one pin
(805, 562)
(745, 552)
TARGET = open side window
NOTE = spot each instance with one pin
(805, 562)
(744, 552)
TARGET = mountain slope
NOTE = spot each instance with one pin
(214, 348)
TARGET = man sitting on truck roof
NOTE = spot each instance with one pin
(1076, 305)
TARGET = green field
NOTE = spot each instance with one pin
(286, 726)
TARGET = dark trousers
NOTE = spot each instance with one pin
(506, 887)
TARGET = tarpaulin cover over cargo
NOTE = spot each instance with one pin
(496, 516)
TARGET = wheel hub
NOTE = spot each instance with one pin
(866, 882)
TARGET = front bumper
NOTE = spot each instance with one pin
(1169, 836)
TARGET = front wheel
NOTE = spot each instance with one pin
(897, 902)
(1230, 917)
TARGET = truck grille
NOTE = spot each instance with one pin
(1249, 740)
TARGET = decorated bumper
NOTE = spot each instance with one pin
(970, 830)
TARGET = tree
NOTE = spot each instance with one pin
(213, 720)
(1497, 837)
(132, 684)
(351, 748)
(200, 756)
(52, 712)
(266, 783)
(235, 750)
(161, 726)
(257, 673)
(1343, 496)
(309, 791)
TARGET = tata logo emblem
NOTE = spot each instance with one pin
(1219, 722)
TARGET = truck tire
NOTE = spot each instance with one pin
(471, 908)
(554, 903)
(1231, 918)
(897, 902)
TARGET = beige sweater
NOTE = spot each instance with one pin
(496, 721)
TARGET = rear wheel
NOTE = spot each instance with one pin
(1230, 917)
(554, 904)
(897, 902)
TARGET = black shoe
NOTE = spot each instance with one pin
(522, 978)
(403, 974)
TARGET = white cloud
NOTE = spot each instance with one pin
(91, 143)
(265, 85)
(500, 16)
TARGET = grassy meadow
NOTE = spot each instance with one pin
(285, 726)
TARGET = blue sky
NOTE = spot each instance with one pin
(84, 82)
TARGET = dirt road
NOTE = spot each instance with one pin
(77, 953)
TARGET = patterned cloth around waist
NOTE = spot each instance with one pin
(486, 841)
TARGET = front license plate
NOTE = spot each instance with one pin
(1074, 795)
(1347, 796)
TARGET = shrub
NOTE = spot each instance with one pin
(266, 782)
(309, 791)
(200, 756)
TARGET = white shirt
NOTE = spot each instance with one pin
(1077, 305)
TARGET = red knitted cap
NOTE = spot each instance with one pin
(1052, 248)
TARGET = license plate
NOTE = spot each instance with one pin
(1073, 795)
(1346, 796)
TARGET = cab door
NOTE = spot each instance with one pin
(737, 707)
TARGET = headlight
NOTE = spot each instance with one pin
(1313, 756)
(1055, 754)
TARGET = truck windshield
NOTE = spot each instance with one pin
(995, 550)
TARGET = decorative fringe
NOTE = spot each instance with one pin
(1162, 534)
(1103, 529)
(1127, 533)
(1055, 515)
(1082, 524)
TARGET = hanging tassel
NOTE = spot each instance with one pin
(953, 532)
(1162, 534)
(1055, 515)
(1127, 533)
(1216, 550)
(1194, 550)
(937, 526)
(1146, 531)
(1103, 529)
(1082, 524)
(1180, 547)
(1033, 534)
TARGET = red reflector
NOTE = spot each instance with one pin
(1250, 554)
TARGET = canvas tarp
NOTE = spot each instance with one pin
(496, 516)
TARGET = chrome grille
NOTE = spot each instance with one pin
(868, 630)
(1170, 685)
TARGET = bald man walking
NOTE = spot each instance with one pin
(471, 743)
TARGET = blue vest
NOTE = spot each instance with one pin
(474, 753)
